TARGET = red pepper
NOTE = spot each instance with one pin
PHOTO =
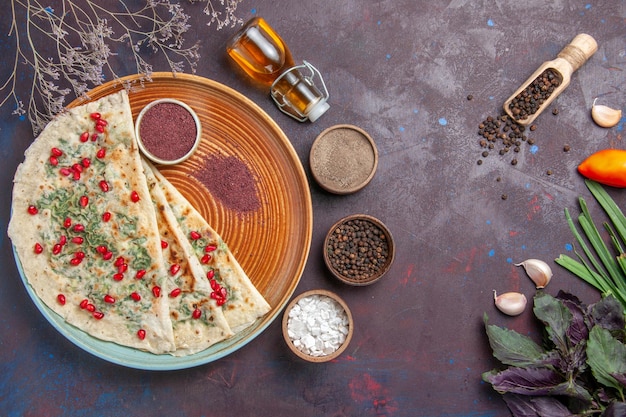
(607, 167)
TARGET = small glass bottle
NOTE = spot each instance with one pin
(264, 56)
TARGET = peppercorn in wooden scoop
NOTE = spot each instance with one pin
(549, 80)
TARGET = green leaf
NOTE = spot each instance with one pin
(606, 356)
(556, 317)
(512, 348)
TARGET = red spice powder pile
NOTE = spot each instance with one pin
(230, 181)
(167, 131)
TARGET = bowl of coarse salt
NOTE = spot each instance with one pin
(317, 325)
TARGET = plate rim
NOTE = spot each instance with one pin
(131, 357)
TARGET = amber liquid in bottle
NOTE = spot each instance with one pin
(265, 58)
(260, 52)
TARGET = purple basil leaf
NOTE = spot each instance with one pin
(556, 317)
(616, 409)
(578, 330)
(606, 357)
(621, 378)
(524, 406)
(608, 313)
(512, 348)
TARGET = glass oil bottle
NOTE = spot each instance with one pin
(265, 58)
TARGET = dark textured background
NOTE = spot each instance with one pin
(401, 70)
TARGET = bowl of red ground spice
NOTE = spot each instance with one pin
(168, 131)
(359, 249)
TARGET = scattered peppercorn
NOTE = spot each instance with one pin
(566, 148)
(504, 196)
(514, 162)
(555, 111)
(357, 249)
(470, 97)
(549, 172)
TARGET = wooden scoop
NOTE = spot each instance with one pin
(572, 57)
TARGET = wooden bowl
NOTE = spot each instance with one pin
(343, 159)
(291, 316)
(340, 245)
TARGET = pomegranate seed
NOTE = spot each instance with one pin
(54, 161)
(141, 334)
(210, 274)
(164, 244)
(84, 137)
(206, 259)
(104, 186)
(32, 210)
(101, 153)
(38, 248)
(61, 299)
(134, 196)
(67, 222)
(210, 248)
(214, 285)
(140, 274)
(56, 152)
(83, 304)
(76, 175)
(78, 240)
(78, 228)
(175, 292)
(98, 315)
(100, 128)
(174, 269)
(65, 172)
(119, 261)
(77, 168)
(156, 291)
(135, 296)
(221, 302)
(84, 201)
(90, 307)
(107, 256)
(62, 240)
(75, 261)
(194, 235)
(109, 299)
(79, 255)
(118, 277)
(57, 248)
(102, 122)
(122, 268)
(86, 162)
(95, 116)
(94, 137)
(106, 216)
(196, 314)
(101, 249)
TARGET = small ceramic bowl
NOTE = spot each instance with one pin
(342, 249)
(167, 135)
(296, 334)
(343, 159)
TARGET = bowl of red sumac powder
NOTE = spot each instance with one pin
(168, 131)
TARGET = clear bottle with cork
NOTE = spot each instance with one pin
(265, 57)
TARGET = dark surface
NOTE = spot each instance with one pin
(402, 71)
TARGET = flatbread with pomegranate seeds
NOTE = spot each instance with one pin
(233, 290)
(85, 230)
(198, 322)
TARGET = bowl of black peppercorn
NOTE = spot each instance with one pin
(359, 249)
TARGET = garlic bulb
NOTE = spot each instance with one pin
(538, 271)
(605, 116)
(511, 303)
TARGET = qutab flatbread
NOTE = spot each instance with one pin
(241, 302)
(85, 230)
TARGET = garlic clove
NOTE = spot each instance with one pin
(605, 116)
(539, 271)
(511, 303)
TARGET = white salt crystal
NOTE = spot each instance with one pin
(317, 325)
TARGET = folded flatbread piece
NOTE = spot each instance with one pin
(241, 303)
